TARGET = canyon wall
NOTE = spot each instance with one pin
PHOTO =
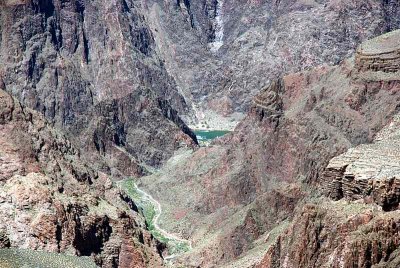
(355, 223)
(248, 185)
(85, 63)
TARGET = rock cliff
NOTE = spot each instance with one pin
(292, 186)
(362, 228)
(337, 234)
(94, 63)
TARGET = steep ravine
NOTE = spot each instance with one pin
(257, 42)
(92, 69)
(99, 92)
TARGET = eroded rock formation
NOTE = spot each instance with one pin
(294, 128)
(367, 172)
(112, 75)
(262, 40)
(336, 234)
(357, 224)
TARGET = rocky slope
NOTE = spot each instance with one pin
(337, 234)
(368, 172)
(260, 39)
(92, 69)
(51, 200)
(246, 185)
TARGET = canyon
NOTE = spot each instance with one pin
(267, 173)
(100, 103)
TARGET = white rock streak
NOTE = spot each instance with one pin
(219, 28)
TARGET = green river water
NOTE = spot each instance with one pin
(207, 135)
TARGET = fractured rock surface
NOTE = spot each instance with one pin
(248, 183)
(262, 40)
(380, 54)
(337, 234)
(361, 227)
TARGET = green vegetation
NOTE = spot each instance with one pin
(17, 258)
(149, 212)
(145, 206)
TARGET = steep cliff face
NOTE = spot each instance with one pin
(67, 59)
(259, 41)
(104, 72)
(51, 200)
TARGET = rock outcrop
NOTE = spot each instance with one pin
(357, 223)
(369, 172)
(337, 234)
(269, 101)
(380, 54)
(361, 229)
(51, 200)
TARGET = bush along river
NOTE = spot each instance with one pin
(151, 209)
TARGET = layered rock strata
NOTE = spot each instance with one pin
(337, 234)
(369, 172)
(380, 54)
(357, 224)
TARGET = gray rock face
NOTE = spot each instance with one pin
(93, 63)
(262, 39)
